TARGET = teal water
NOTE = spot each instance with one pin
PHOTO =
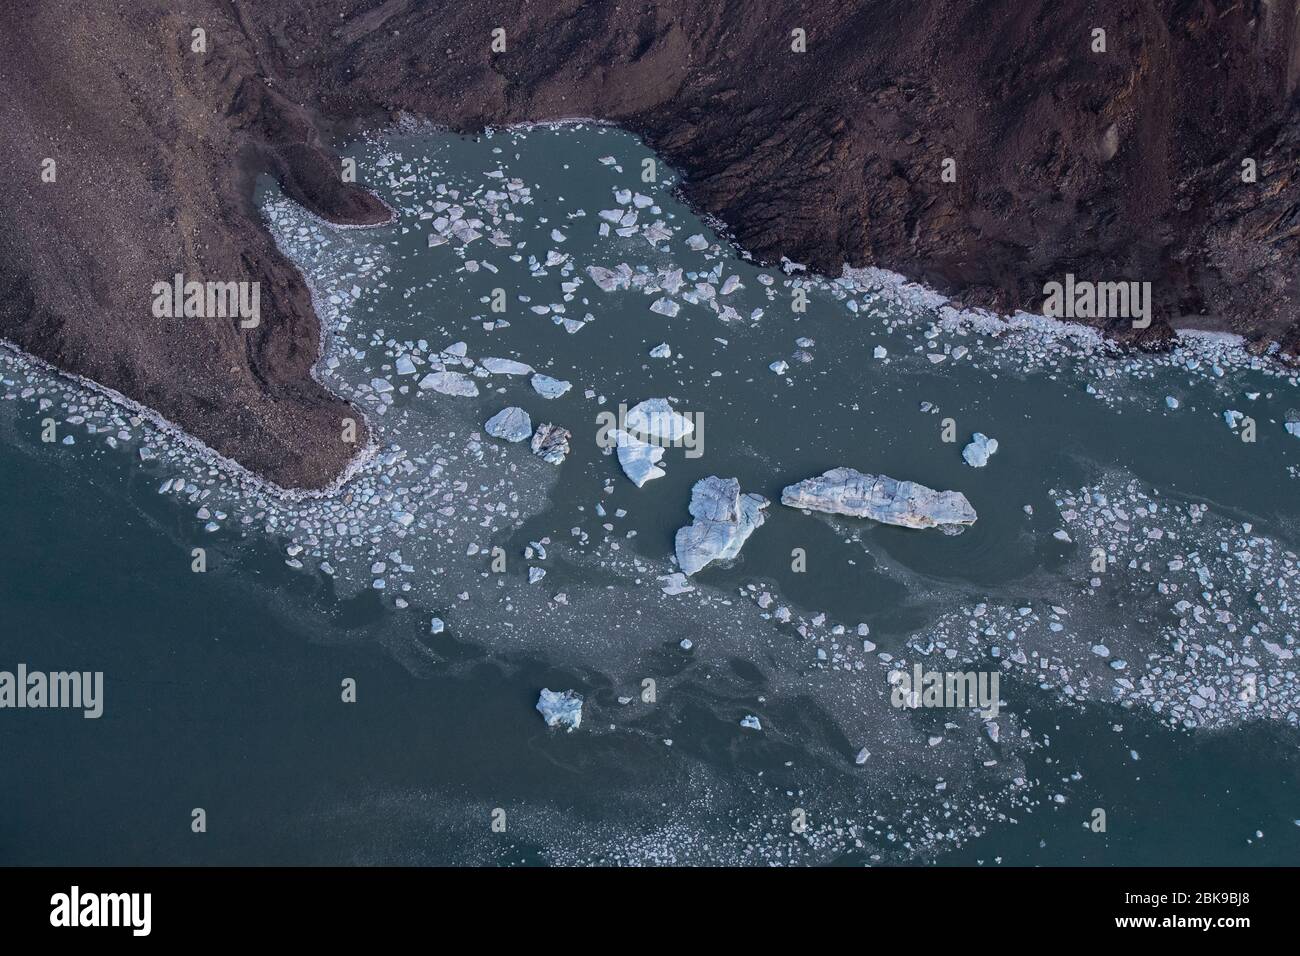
(223, 688)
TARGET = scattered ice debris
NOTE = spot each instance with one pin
(977, 453)
(724, 520)
(560, 708)
(511, 424)
(450, 383)
(750, 722)
(548, 387)
(638, 459)
(551, 443)
(845, 491)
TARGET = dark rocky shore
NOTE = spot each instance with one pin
(1118, 165)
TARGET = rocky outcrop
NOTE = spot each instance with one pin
(844, 491)
(985, 147)
(724, 520)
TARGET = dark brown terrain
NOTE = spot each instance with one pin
(1117, 165)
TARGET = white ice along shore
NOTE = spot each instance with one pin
(724, 520)
(845, 491)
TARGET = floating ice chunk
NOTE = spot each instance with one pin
(511, 424)
(675, 583)
(750, 722)
(557, 236)
(655, 418)
(879, 352)
(846, 491)
(697, 242)
(1171, 402)
(548, 387)
(639, 460)
(551, 443)
(661, 350)
(863, 756)
(1062, 536)
(560, 708)
(730, 286)
(977, 453)
(404, 365)
(665, 307)
(1292, 428)
(724, 520)
(450, 383)
(535, 574)
(436, 625)
(501, 366)
(780, 366)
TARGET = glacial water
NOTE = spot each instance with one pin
(1160, 689)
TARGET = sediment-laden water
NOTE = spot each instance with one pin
(1130, 578)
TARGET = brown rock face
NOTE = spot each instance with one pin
(1125, 164)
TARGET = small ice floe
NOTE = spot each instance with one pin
(661, 351)
(731, 284)
(675, 583)
(863, 756)
(1292, 428)
(1232, 417)
(686, 643)
(1062, 536)
(548, 387)
(551, 443)
(724, 520)
(655, 418)
(560, 708)
(450, 383)
(665, 307)
(1171, 402)
(697, 243)
(535, 574)
(511, 424)
(436, 625)
(750, 722)
(502, 366)
(879, 352)
(846, 491)
(404, 365)
(638, 459)
(977, 453)
(779, 366)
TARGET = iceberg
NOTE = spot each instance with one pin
(845, 491)
(511, 424)
(724, 520)
(560, 708)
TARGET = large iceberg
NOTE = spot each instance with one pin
(724, 520)
(845, 491)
